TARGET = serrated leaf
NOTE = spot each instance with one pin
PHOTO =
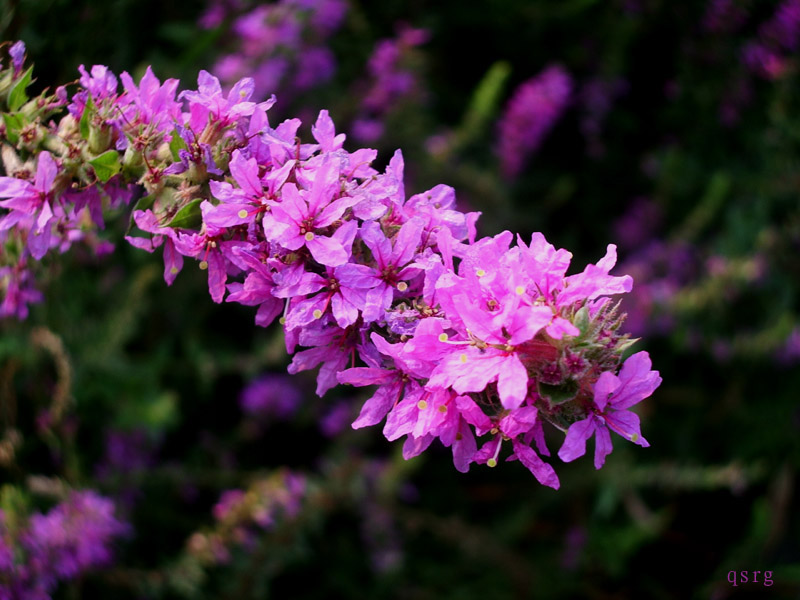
(17, 96)
(176, 144)
(86, 116)
(14, 123)
(188, 216)
(106, 165)
(558, 394)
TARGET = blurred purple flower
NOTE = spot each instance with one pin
(638, 224)
(73, 537)
(724, 16)
(336, 419)
(272, 396)
(530, 115)
(596, 97)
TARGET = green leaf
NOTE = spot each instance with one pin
(106, 165)
(17, 96)
(88, 110)
(176, 144)
(558, 394)
(145, 202)
(189, 216)
(14, 123)
(484, 103)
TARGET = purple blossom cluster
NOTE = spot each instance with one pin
(530, 114)
(768, 55)
(280, 45)
(391, 81)
(597, 97)
(463, 337)
(242, 515)
(74, 537)
(724, 16)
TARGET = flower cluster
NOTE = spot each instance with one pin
(530, 115)
(75, 536)
(768, 55)
(241, 515)
(391, 80)
(280, 45)
(463, 337)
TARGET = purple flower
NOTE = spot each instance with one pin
(31, 202)
(17, 54)
(272, 396)
(530, 115)
(613, 395)
(296, 221)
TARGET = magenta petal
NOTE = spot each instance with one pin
(10, 187)
(361, 376)
(604, 388)
(464, 448)
(519, 421)
(401, 419)
(343, 311)
(637, 381)
(512, 382)
(602, 447)
(375, 409)
(543, 472)
(626, 423)
(46, 172)
(173, 262)
(575, 443)
(473, 414)
(327, 251)
(561, 327)
(216, 276)
(414, 446)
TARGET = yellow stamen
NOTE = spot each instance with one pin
(282, 320)
(422, 404)
(173, 270)
(203, 265)
(480, 272)
(463, 358)
(402, 286)
(443, 408)
(635, 437)
(491, 462)
(520, 290)
(317, 313)
(443, 337)
(309, 236)
(242, 214)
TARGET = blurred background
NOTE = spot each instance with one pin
(669, 129)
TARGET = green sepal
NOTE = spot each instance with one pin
(17, 96)
(176, 144)
(86, 116)
(189, 216)
(106, 165)
(14, 123)
(558, 394)
(581, 320)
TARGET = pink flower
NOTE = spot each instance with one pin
(613, 395)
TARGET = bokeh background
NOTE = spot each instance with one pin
(670, 129)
